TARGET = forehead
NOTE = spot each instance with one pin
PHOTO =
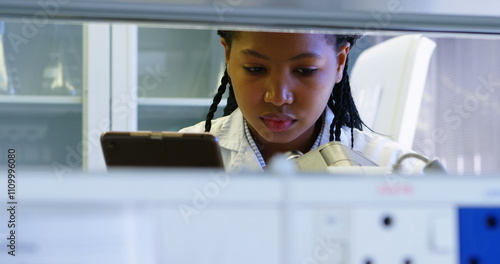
(278, 41)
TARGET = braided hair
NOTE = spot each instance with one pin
(341, 102)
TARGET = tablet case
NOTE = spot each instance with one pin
(161, 149)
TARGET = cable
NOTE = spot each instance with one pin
(433, 166)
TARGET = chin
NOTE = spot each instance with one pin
(277, 138)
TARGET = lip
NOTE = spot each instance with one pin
(278, 122)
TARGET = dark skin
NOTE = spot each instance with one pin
(282, 83)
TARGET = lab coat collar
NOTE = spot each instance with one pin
(232, 126)
(232, 138)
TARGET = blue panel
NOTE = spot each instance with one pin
(479, 230)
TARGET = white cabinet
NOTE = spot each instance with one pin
(41, 94)
(70, 82)
(56, 101)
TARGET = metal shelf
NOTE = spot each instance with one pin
(39, 99)
(19, 106)
(479, 16)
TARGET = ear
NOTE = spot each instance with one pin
(341, 60)
(226, 49)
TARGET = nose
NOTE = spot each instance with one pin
(278, 91)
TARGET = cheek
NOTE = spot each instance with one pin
(316, 99)
(246, 94)
(319, 99)
(247, 91)
(322, 88)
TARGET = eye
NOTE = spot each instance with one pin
(306, 71)
(254, 70)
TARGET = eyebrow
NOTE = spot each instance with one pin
(298, 57)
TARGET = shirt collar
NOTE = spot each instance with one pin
(232, 126)
(253, 145)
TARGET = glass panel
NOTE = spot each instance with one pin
(40, 93)
(178, 62)
(179, 72)
(42, 60)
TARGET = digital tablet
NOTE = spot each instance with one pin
(161, 149)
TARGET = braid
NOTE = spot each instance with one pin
(213, 108)
(335, 105)
(354, 120)
(231, 101)
(331, 105)
(342, 105)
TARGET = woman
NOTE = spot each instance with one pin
(288, 91)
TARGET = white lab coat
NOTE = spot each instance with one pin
(238, 154)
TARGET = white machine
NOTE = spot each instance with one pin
(337, 158)
(213, 217)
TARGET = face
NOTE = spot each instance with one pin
(282, 82)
